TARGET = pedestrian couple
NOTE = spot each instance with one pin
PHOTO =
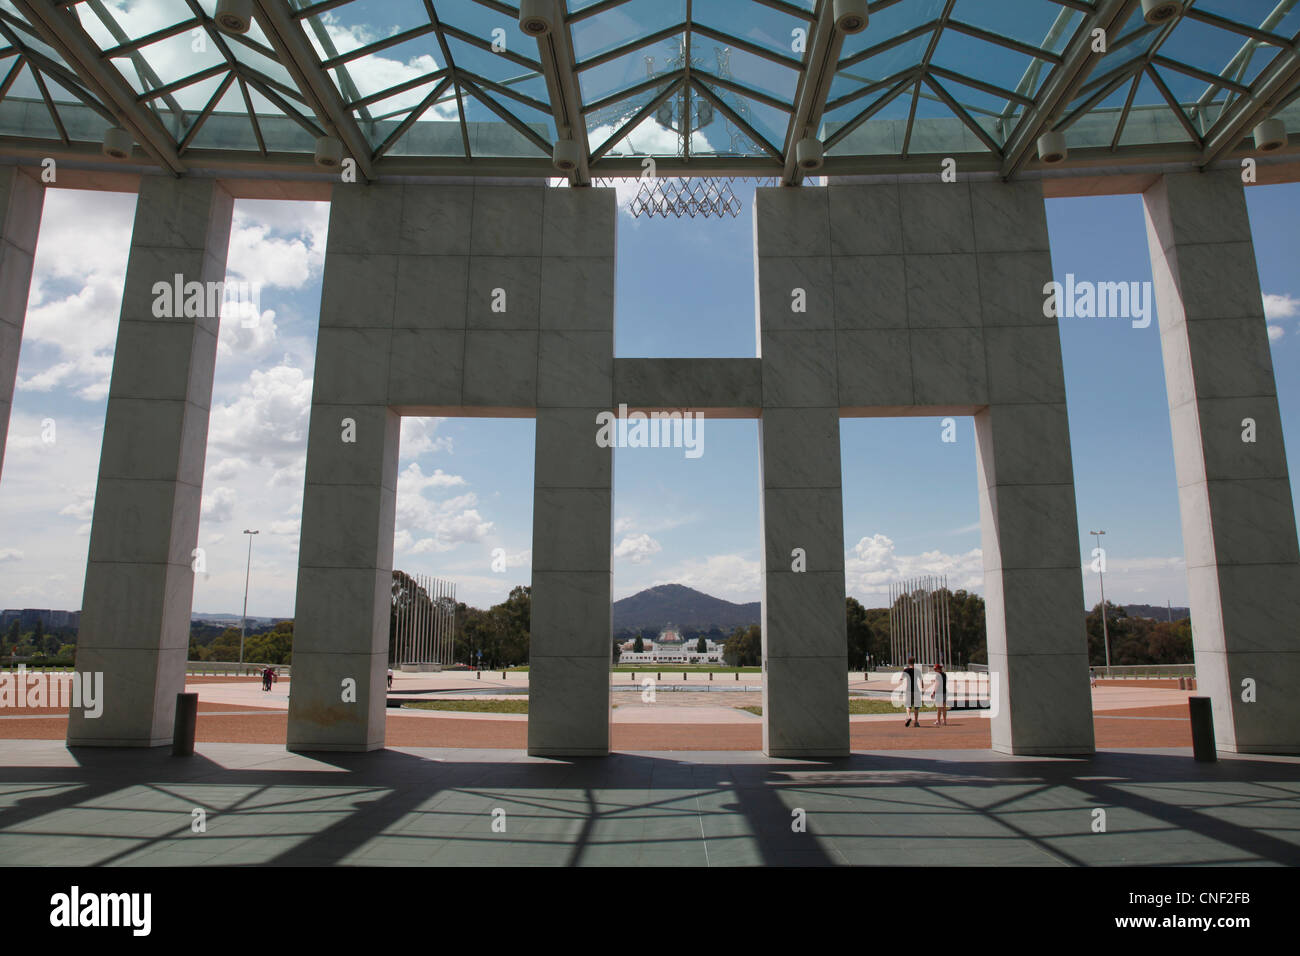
(912, 694)
(268, 677)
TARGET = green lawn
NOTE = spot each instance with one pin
(472, 706)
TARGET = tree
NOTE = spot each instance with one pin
(15, 633)
(745, 647)
(618, 651)
(701, 646)
(638, 646)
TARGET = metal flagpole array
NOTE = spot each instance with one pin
(426, 622)
(919, 625)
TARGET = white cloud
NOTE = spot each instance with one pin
(1281, 306)
(872, 564)
(445, 523)
(732, 577)
(219, 505)
(418, 437)
(1275, 332)
(10, 554)
(267, 421)
(637, 548)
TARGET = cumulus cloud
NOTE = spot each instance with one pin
(432, 524)
(267, 420)
(1275, 332)
(10, 554)
(219, 505)
(872, 564)
(419, 438)
(1280, 306)
(732, 577)
(637, 548)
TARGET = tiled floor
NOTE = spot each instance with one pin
(418, 807)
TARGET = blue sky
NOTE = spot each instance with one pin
(685, 288)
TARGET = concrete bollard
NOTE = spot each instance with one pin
(187, 719)
(737, 675)
(683, 675)
(1202, 729)
(659, 676)
(478, 675)
(710, 675)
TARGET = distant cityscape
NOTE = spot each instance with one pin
(51, 619)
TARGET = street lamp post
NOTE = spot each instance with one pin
(1101, 577)
(243, 620)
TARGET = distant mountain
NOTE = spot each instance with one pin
(1156, 612)
(684, 607)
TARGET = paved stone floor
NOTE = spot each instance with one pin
(424, 806)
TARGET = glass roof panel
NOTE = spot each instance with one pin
(437, 131)
(741, 66)
(622, 25)
(891, 22)
(762, 26)
(878, 66)
(227, 126)
(168, 60)
(631, 68)
(487, 64)
(879, 136)
(490, 135)
(387, 68)
(23, 111)
(1001, 66)
(1151, 120)
(1265, 14)
(723, 136)
(647, 138)
(1039, 24)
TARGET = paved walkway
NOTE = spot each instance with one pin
(263, 805)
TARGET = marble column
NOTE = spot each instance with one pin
(21, 198)
(805, 645)
(1239, 537)
(135, 622)
(1033, 588)
(338, 699)
(571, 628)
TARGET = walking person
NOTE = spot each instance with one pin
(912, 694)
(390, 678)
(941, 695)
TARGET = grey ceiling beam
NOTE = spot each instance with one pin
(298, 57)
(1060, 87)
(555, 52)
(1272, 87)
(60, 29)
(814, 86)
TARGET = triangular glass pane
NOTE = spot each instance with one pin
(891, 22)
(1151, 120)
(1097, 126)
(485, 63)
(227, 126)
(1044, 25)
(23, 111)
(998, 65)
(490, 135)
(378, 120)
(937, 129)
(882, 134)
(83, 124)
(647, 138)
(281, 132)
(709, 58)
(717, 134)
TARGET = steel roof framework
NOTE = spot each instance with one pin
(74, 57)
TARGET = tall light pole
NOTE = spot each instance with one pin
(243, 620)
(1101, 576)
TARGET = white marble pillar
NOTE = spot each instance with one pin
(805, 644)
(21, 197)
(571, 646)
(135, 622)
(338, 698)
(1239, 538)
(1033, 587)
